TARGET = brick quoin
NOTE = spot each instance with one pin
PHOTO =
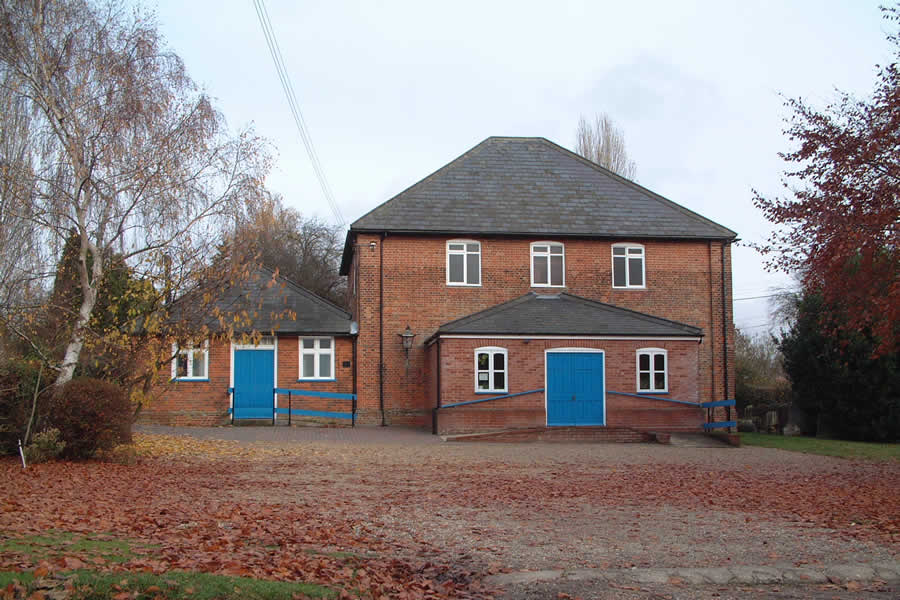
(684, 282)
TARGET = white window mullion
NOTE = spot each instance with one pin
(317, 358)
(463, 262)
(652, 370)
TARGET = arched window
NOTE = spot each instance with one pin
(491, 369)
(652, 370)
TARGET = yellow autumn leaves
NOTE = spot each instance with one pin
(172, 446)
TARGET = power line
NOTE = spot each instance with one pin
(763, 296)
(288, 87)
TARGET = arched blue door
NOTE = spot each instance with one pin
(575, 388)
(254, 383)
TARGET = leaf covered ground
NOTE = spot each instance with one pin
(431, 520)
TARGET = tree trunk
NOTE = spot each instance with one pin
(76, 342)
(90, 281)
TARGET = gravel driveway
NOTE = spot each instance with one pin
(523, 507)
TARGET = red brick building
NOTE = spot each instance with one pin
(288, 339)
(544, 287)
(518, 286)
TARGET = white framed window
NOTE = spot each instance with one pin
(652, 370)
(191, 362)
(628, 266)
(463, 262)
(548, 264)
(316, 358)
(491, 369)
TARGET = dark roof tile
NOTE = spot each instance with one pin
(565, 314)
(532, 186)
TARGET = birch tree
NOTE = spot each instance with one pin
(126, 151)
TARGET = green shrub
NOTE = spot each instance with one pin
(91, 415)
(17, 381)
(44, 446)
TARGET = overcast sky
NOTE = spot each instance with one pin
(392, 91)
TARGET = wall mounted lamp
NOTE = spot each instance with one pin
(406, 338)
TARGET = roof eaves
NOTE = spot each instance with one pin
(562, 234)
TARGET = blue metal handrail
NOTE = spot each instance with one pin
(654, 398)
(290, 410)
(491, 398)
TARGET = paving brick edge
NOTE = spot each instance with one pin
(879, 571)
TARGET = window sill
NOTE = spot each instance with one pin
(630, 287)
(492, 393)
(463, 284)
(649, 393)
(314, 380)
(188, 379)
(542, 286)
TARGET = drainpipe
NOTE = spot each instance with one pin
(381, 332)
(725, 334)
(712, 350)
(437, 408)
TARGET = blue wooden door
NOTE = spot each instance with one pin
(575, 390)
(254, 383)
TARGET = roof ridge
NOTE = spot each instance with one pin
(658, 197)
(481, 314)
(309, 293)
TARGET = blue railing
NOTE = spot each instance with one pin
(290, 410)
(434, 411)
(706, 426)
(480, 400)
(646, 397)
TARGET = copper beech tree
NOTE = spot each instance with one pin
(839, 227)
(118, 148)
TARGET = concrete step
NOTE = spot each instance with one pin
(556, 434)
(698, 440)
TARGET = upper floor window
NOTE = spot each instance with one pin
(317, 358)
(490, 369)
(652, 370)
(548, 264)
(191, 362)
(628, 266)
(463, 262)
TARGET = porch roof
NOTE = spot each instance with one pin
(565, 314)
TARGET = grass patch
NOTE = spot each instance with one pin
(175, 585)
(52, 544)
(839, 448)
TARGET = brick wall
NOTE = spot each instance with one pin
(206, 403)
(289, 372)
(526, 372)
(683, 283)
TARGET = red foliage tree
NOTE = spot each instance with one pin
(840, 228)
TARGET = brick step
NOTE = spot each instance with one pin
(558, 434)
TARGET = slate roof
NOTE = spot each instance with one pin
(565, 314)
(531, 186)
(281, 308)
